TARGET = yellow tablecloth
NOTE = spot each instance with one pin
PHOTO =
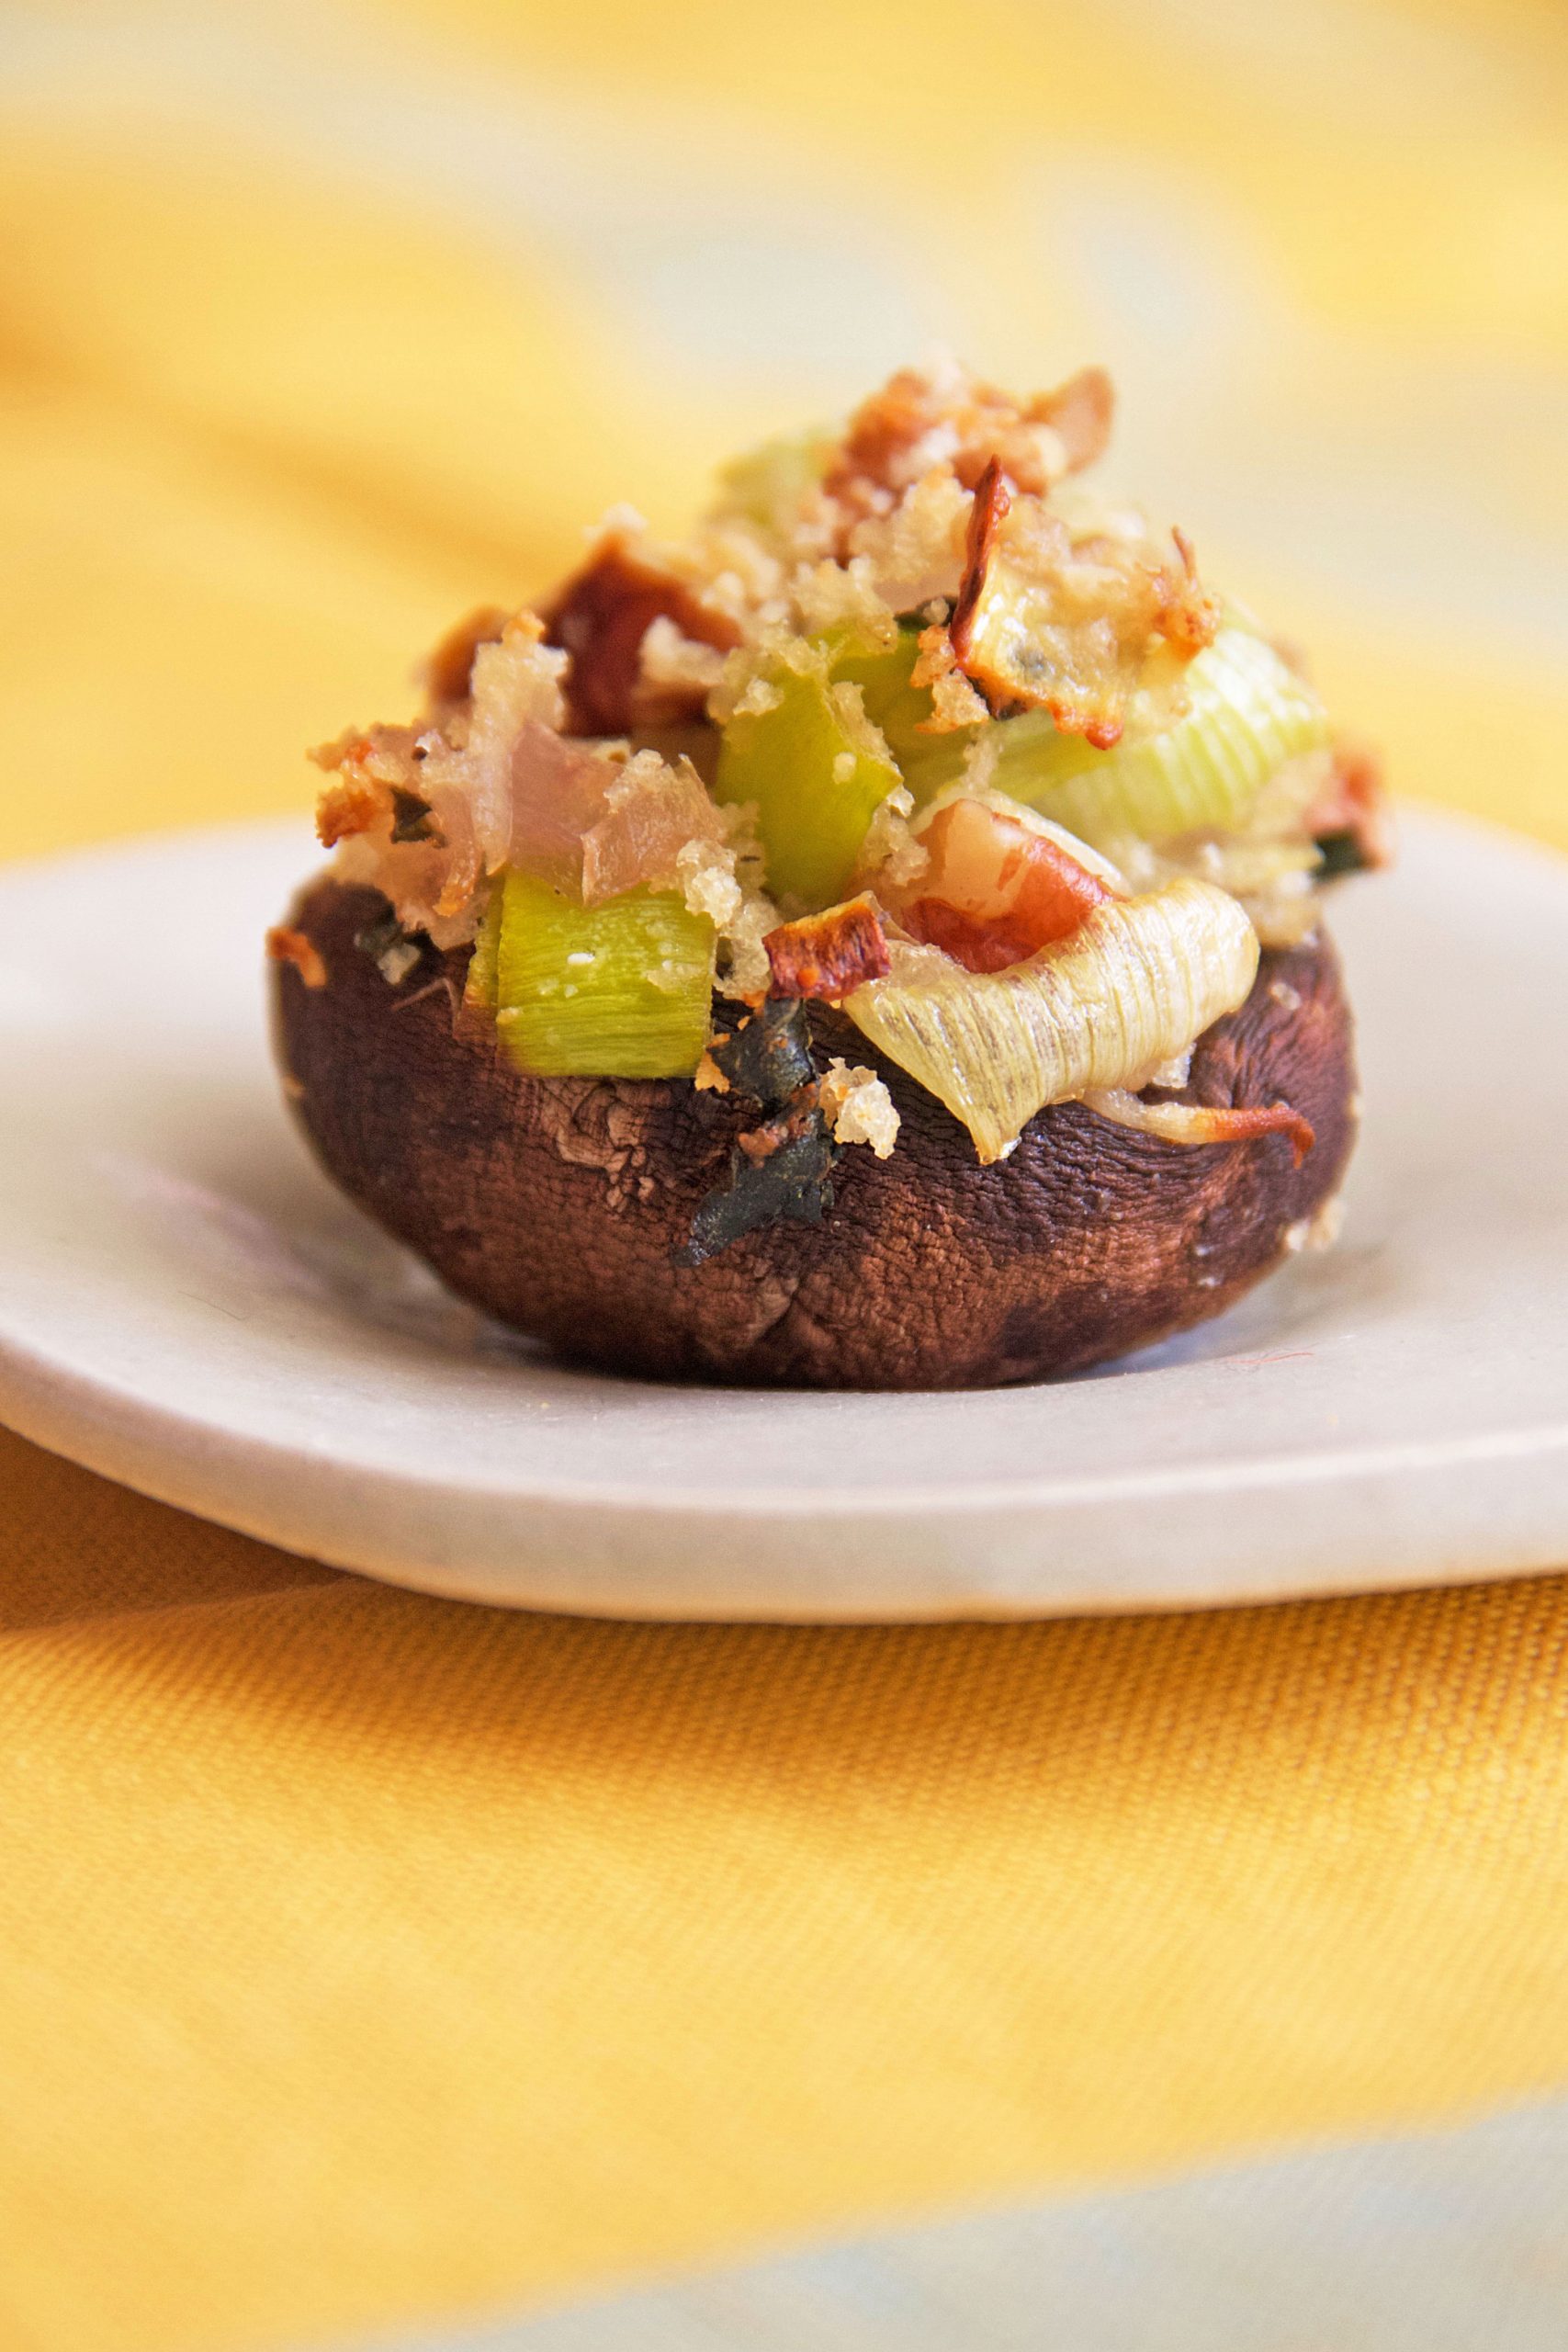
(366, 1959)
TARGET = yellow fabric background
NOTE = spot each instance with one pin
(364, 1958)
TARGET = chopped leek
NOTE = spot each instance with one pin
(480, 987)
(1246, 715)
(1135, 985)
(882, 674)
(767, 485)
(815, 771)
(618, 991)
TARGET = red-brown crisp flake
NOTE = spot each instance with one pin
(993, 501)
(286, 946)
(828, 956)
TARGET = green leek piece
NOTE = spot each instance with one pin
(1246, 713)
(1135, 984)
(817, 774)
(892, 703)
(479, 986)
(618, 991)
(769, 484)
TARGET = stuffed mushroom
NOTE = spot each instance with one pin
(872, 943)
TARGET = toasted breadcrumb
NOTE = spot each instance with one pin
(858, 1107)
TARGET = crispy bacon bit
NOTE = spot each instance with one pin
(828, 956)
(1350, 822)
(449, 671)
(286, 946)
(601, 617)
(994, 891)
(993, 503)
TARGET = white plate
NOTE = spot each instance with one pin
(186, 1305)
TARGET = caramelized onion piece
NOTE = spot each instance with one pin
(1080, 412)
(561, 789)
(828, 956)
(652, 812)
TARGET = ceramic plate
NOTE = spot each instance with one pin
(186, 1305)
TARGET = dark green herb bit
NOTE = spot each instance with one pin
(413, 818)
(794, 1181)
(787, 1172)
(769, 1056)
(394, 951)
(1339, 853)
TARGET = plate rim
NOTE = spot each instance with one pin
(180, 1455)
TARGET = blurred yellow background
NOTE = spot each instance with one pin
(319, 322)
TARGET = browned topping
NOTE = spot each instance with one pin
(1190, 616)
(828, 956)
(1239, 1126)
(285, 946)
(1063, 622)
(353, 803)
(993, 503)
(920, 419)
(450, 667)
(954, 703)
(601, 617)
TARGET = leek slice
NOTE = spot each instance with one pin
(892, 703)
(1133, 986)
(769, 484)
(815, 769)
(482, 980)
(618, 991)
(1246, 714)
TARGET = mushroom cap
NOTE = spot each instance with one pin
(558, 1204)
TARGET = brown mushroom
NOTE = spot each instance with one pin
(561, 1205)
